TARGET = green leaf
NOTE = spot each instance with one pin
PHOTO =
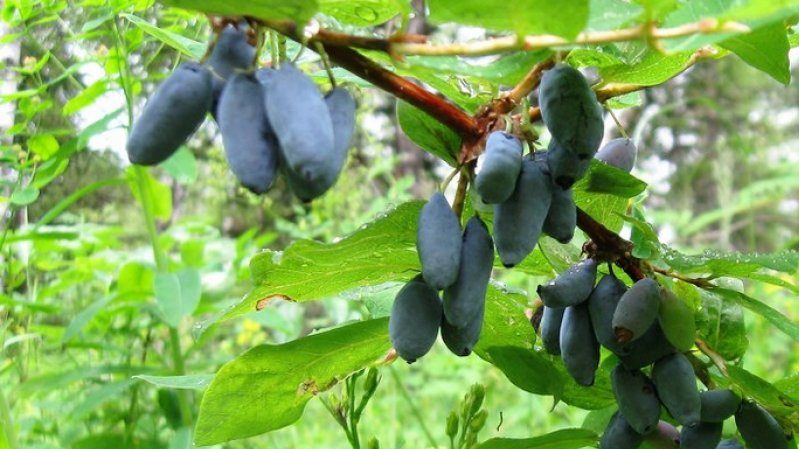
(603, 208)
(765, 49)
(653, 69)
(73, 197)
(85, 97)
(182, 166)
(643, 236)
(630, 100)
(135, 278)
(83, 318)
(657, 9)
(776, 318)
(597, 420)
(189, 47)
(449, 86)
(764, 393)
(607, 179)
(268, 386)
(757, 13)
(95, 23)
(565, 19)
(690, 12)
(43, 145)
(49, 170)
(178, 294)
(773, 280)
(604, 191)
(427, 132)
(593, 57)
(717, 264)
(187, 382)
(611, 14)
(507, 70)
(24, 196)
(526, 369)
(676, 318)
(382, 251)
(362, 12)
(298, 10)
(789, 385)
(559, 439)
(559, 256)
(719, 323)
(505, 323)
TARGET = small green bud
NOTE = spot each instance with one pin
(373, 443)
(452, 424)
(478, 421)
(478, 393)
(466, 406)
(372, 379)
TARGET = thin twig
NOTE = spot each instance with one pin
(714, 356)
(460, 193)
(400, 45)
(326, 62)
(337, 417)
(449, 178)
(621, 129)
(699, 282)
(529, 82)
(538, 42)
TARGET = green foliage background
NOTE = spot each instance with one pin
(129, 296)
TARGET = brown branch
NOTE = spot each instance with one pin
(607, 245)
(327, 37)
(530, 81)
(440, 109)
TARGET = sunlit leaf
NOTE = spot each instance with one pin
(267, 387)
(427, 132)
(524, 17)
(298, 10)
(559, 439)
